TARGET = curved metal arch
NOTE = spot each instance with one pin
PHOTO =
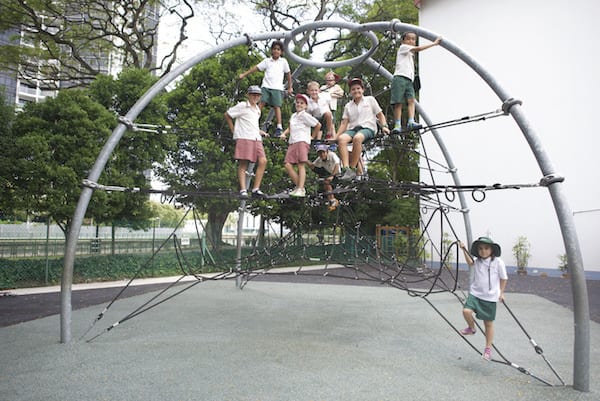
(565, 217)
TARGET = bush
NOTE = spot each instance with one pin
(15, 273)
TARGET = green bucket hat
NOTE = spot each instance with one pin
(485, 240)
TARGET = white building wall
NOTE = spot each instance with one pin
(544, 52)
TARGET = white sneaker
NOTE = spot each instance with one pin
(298, 193)
(348, 175)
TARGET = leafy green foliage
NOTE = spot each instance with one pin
(53, 145)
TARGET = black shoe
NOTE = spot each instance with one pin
(244, 194)
(258, 194)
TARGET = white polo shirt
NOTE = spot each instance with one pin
(362, 113)
(329, 163)
(486, 279)
(275, 71)
(405, 62)
(319, 107)
(301, 124)
(246, 121)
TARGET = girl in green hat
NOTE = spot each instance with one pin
(486, 290)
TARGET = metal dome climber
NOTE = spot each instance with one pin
(551, 179)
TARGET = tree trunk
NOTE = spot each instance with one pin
(214, 228)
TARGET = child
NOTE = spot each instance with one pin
(334, 91)
(327, 166)
(402, 84)
(248, 140)
(486, 290)
(300, 137)
(359, 123)
(275, 69)
(318, 107)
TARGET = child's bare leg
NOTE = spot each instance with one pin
(292, 173)
(410, 106)
(397, 111)
(277, 115)
(301, 175)
(329, 124)
(468, 315)
(343, 141)
(356, 149)
(261, 166)
(489, 332)
(242, 166)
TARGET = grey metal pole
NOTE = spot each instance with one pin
(565, 216)
(100, 163)
(240, 228)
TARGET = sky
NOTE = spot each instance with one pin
(553, 74)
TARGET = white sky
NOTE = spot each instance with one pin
(547, 60)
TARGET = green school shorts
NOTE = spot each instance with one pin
(272, 97)
(484, 310)
(368, 133)
(402, 90)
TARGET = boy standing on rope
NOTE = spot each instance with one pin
(334, 91)
(402, 84)
(301, 125)
(276, 67)
(248, 140)
(486, 290)
(359, 124)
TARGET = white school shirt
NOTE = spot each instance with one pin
(329, 163)
(301, 124)
(275, 71)
(486, 278)
(246, 121)
(364, 113)
(334, 92)
(320, 107)
(405, 62)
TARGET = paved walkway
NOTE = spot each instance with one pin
(287, 341)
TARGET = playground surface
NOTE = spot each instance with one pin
(291, 338)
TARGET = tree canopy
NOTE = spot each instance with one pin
(71, 43)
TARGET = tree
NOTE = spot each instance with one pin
(70, 42)
(52, 147)
(202, 160)
(521, 254)
(563, 266)
(8, 207)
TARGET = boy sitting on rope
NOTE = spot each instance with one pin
(359, 124)
(318, 107)
(327, 167)
(403, 90)
(486, 290)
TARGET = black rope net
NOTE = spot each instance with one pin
(426, 266)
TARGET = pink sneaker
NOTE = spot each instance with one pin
(487, 353)
(468, 331)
